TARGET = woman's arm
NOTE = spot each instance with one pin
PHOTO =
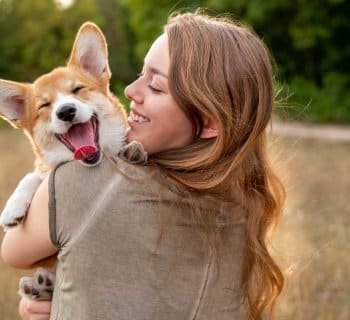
(30, 242)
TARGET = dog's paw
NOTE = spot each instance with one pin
(134, 152)
(38, 287)
(13, 213)
(17, 205)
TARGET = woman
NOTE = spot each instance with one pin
(200, 108)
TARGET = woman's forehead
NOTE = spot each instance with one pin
(157, 57)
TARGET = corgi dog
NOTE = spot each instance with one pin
(67, 114)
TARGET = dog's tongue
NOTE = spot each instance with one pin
(84, 152)
(81, 137)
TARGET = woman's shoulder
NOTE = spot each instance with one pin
(107, 165)
(125, 176)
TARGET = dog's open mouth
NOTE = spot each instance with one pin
(82, 140)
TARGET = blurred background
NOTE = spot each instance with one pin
(309, 42)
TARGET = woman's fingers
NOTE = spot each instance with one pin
(34, 310)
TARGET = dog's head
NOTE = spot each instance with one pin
(69, 112)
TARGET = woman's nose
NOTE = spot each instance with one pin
(127, 92)
(132, 92)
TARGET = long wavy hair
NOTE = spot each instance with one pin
(222, 70)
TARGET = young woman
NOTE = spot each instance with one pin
(189, 239)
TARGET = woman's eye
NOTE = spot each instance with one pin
(44, 105)
(154, 89)
(77, 89)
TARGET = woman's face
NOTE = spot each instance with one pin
(155, 119)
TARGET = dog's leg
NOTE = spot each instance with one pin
(18, 203)
(38, 287)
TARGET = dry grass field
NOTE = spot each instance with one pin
(313, 239)
(311, 242)
(15, 161)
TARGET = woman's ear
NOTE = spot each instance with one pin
(210, 129)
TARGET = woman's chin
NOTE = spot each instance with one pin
(131, 136)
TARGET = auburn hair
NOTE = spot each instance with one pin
(221, 70)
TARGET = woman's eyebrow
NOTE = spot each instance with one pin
(157, 71)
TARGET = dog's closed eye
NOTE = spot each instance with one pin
(44, 105)
(77, 89)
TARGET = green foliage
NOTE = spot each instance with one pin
(145, 22)
(120, 38)
(308, 39)
(37, 37)
(148, 17)
(311, 103)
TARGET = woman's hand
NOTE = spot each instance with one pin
(34, 310)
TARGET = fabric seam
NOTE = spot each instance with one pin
(203, 289)
(52, 207)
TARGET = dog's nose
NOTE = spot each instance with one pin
(66, 112)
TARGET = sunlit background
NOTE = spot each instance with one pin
(308, 40)
(64, 4)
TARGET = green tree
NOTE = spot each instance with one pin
(148, 17)
(37, 36)
(308, 39)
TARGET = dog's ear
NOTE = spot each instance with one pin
(12, 101)
(90, 51)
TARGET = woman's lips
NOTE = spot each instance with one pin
(136, 117)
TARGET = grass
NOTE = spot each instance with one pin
(15, 161)
(312, 240)
(311, 243)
